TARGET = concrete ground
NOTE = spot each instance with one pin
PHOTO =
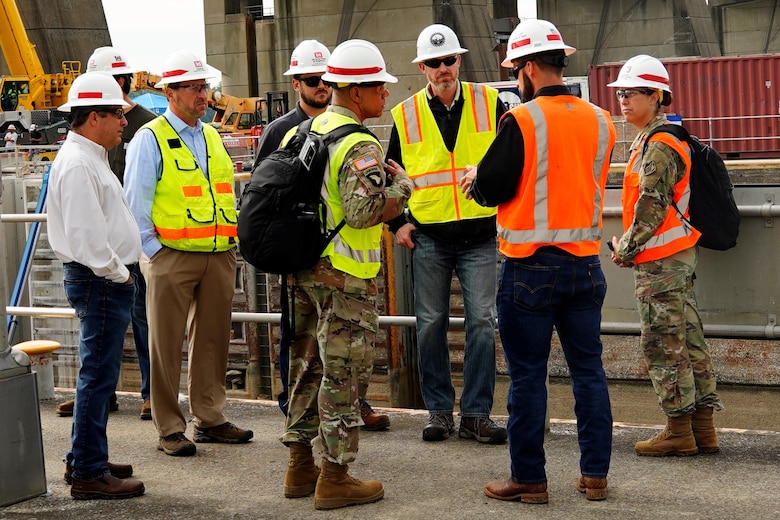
(422, 480)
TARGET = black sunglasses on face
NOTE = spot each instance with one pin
(517, 68)
(435, 63)
(311, 81)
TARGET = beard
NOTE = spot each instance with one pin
(528, 89)
(314, 102)
(443, 86)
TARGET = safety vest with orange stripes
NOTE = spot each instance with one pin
(673, 235)
(435, 170)
(191, 212)
(560, 196)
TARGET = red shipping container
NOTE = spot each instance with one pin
(732, 102)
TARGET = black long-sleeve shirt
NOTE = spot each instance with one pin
(460, 231)
(499, 171)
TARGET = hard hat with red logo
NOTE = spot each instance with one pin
(108, 59)
(534, 37)
(309, 57)
(357, 61)
(182, 66)
(94, 89)
(645, 71)
(436, 41)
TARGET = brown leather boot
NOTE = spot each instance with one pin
(594, 488)
(373, 421)
(302, 473)
(704, 430)
(335, 488)
(508, 489)
(675, 439)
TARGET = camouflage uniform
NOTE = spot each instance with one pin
(336, 320)
(672, 339)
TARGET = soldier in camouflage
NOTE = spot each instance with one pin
(336, 318)
(660, 244)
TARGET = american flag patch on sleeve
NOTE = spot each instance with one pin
(365, 162)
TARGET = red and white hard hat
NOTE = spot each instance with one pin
(94, 89)
(534, 37)
(644, 71)
(436, 41)
(310, 56)
(108, 59)
(357, 61)
(182, 66)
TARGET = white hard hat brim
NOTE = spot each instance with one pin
(430, 56)
(108, 102)
(567, 49)
(179, 79)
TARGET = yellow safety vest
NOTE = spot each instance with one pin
(191, 212)
(353, 251)
(435, 170)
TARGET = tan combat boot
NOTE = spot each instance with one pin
(675, 439)
(704, 430)
(302, 473)
(335, 488)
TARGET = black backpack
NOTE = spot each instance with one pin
(712, 208)
(280, 223)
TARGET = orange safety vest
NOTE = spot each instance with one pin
(673, 235)
(560, 196)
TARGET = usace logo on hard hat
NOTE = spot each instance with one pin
(317, 55)
(198, 64)
(437, 39)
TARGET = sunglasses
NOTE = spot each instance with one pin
(119, 113)
(631, 92)
(520, 66)
(435, 63)
(311, 81)
(195, 88)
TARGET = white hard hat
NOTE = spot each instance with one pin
(94, 89)
(33, 127)
(435, 41)
(108, 59)
(181, 66)
(309, 56)
(357, 61)
(644, 71)
(533, 37)
(11, 127)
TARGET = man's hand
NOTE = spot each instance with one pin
(467, 180)
(403, 237)
(613, 245)
(393, 168)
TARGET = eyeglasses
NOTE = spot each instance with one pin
(195, 88)
(520, 66)
(311, 81)
(435, 63)
(119, 113)
(631, 92)
(372, 84)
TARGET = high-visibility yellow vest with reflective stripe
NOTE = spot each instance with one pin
(673, 235)
(560, 196)
(191, 212)
(353, 251)
(435, 170)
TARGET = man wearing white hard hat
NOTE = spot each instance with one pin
(307, 65)
(179, 183)
(438, 132)
(111, 61)
(10, 137)
(93, 233)
(547, 172)
(336, 317)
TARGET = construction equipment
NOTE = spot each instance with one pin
(235, 115)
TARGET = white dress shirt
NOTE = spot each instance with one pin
(89, 220)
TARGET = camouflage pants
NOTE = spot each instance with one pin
(672, 340)
(330, 366)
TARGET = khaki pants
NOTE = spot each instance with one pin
(190, 292)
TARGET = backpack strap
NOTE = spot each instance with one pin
(681, 133)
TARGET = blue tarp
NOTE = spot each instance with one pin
(153, 102)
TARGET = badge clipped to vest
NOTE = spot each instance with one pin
(308, 151)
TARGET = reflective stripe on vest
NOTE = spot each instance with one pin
(521, 233)
(353, 251)
(674, 234)
(435, 170)
(190, 212)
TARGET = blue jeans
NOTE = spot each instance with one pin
(103, 309)
(141, 329)
(475, 264)
(554, 288)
